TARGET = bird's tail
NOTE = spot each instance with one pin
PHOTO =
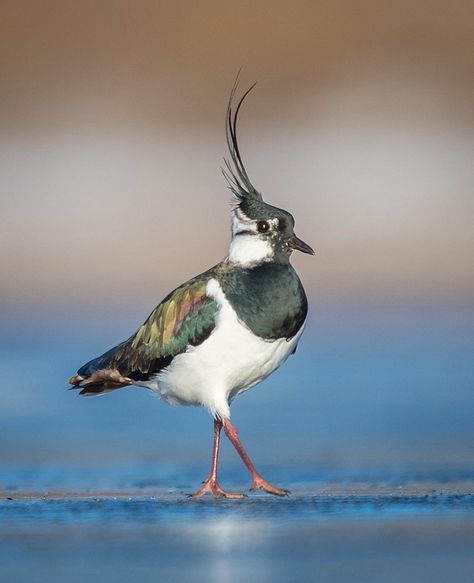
(99, 382)
(100, 375)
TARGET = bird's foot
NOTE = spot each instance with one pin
(211, 486)
(258, 483)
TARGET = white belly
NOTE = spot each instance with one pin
(230, 361)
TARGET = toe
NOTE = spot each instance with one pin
(214, 490)
(269, 488)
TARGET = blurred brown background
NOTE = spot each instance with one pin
(111, 138)
(111, 142)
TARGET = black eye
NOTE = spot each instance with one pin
(263, 226)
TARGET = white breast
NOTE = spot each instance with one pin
(230, 361)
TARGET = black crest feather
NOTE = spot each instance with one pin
(235, 172)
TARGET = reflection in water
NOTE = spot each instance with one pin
(215, 542)
(225, 536)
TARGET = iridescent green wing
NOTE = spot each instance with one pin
(184, 318)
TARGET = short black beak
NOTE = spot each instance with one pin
(299, 245)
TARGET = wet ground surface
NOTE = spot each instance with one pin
(343, 531)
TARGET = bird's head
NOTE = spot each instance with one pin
(260, 232)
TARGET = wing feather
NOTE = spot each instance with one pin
(186, 317)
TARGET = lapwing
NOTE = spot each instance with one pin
(224, 331)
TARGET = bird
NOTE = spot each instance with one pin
(225, 330)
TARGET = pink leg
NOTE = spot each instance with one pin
(210, 484)
(258, 483)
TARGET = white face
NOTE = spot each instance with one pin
(248, 244)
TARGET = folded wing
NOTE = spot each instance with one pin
(184, 318)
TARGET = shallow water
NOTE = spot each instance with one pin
(30, 511)
(330, 532)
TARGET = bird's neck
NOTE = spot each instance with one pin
(249, 249)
